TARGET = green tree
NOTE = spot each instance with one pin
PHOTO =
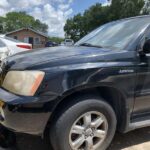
(75, 27)
(80, 25)
(37, 25)
(17, 20)
(56, 39)
(95, 16)
(2, 25)
(98, 14)
(146, 8)
(125, 8)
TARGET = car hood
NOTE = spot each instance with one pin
(55, 56)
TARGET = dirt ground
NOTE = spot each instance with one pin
(135, 140)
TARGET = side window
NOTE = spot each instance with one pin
(2, 44)
(145, 37)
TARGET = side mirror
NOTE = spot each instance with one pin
(146, 47)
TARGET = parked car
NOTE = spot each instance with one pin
(68, 42)
(10, 46)
(81, 94)
(51, 44)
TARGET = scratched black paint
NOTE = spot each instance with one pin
(71, 69)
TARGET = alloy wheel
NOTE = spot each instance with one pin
(89, 131)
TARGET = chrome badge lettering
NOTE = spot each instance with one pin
(126, 71)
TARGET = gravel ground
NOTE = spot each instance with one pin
(135, 140)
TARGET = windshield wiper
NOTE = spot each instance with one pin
(90, 45)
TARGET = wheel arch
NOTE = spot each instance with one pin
(112, 95)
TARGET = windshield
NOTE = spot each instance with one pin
(116, 35)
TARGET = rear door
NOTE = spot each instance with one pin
(142, 90)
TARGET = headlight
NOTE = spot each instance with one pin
(23, 82)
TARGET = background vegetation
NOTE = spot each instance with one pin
(96, 15)
(17, 20)
(81, 24)
(56, 39)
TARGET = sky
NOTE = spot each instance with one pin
(52, 12)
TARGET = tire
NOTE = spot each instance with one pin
(61, 136)
(7, 138)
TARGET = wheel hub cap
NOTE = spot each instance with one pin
(89, 131)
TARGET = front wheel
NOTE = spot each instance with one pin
(85, 124)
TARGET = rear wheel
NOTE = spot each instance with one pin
(84, 124)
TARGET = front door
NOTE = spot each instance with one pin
(31, 40)
(142, 89)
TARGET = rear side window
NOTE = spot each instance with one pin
(145, 37)
(2, 44)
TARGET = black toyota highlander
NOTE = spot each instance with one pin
(80, 95)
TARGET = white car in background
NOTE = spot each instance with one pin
(68, 42)
(10, 46)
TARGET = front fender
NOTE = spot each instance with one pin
(63, 81)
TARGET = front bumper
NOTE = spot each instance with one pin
(23, 114)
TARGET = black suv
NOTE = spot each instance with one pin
(81, 95)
